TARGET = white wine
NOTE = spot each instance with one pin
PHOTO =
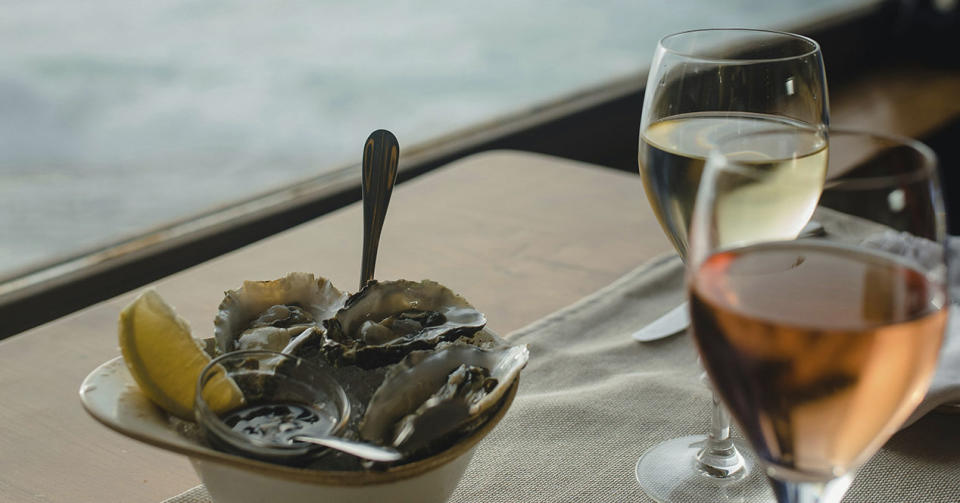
(820, 350)
(792, 157)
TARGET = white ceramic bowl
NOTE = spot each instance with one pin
(112, 397)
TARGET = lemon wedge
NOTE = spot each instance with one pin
(165, 359)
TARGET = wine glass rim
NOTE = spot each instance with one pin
(814, 49)
(925, 168)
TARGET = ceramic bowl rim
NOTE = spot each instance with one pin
(323, 477)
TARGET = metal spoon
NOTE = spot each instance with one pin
(358, 449)
(380, 155)
(673, 322)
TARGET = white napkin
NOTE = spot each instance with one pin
(945, 387)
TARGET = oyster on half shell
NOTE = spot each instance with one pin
(432, 394)
(385, 321)
(267, 314)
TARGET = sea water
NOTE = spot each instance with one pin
(118, 116)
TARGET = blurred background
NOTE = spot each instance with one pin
(117, 117)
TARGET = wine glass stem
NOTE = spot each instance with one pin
(719, 456)
(831, 491)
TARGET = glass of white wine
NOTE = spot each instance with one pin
(705, 86)
(822, 346)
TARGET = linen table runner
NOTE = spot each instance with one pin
(592, 400)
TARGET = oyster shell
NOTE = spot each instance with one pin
(432, 394)
(385, 321)
(267, 314)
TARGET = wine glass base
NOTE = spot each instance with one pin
(668, 473)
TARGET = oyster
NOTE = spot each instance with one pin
(268, 314)
(385, 321)
(431, 395)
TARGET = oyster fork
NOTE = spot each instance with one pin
(381, 153)
(358, 449)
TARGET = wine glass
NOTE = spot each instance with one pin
(822, 346)
(705, 85)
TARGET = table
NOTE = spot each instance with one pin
(520, 235)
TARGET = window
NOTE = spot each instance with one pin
(121, 116)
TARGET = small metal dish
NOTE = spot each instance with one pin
(271, 382)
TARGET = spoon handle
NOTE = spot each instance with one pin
(358, 449)
(380, 155)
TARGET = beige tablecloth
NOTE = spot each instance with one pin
(592, 400)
